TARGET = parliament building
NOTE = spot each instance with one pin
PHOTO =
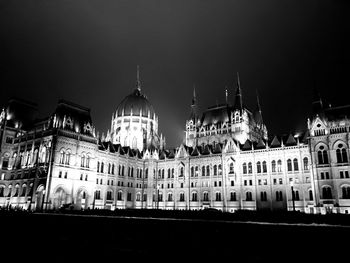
(227, 160)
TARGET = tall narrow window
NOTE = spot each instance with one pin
(67, 161)
(289, 165)
(258, 167)
(273, 166)
(232, 170)
(215, 170)
(244, 168)
(233, 196)
(306, 163)
(250, 168)
(279, 166)
(264, 166)
(248, 196)
(311, 197)
(218, 196)
(295, 164)
(344, 155)
(82, 163)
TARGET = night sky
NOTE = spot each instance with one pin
(87, 51)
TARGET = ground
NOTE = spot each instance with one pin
(90, 238)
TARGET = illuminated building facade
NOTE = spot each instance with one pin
(227, 160)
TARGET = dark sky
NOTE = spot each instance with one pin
(87, 51)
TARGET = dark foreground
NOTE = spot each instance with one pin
(89, 238)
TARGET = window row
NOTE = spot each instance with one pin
(25, 159)
(16, 191)
(261, 167)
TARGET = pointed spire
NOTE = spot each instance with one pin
(226, 95)
(317, 103)
(194, 100)
(258, 113)
(138, 83)
(193, 115)
(238, 99)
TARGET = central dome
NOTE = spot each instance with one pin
(137, 104)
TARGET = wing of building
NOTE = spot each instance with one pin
(227, 161)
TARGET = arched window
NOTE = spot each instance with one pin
(250, 168)
(196, 171)
(273, 166)
(192, 171)
(311, 197)
(123, 170)
(170, 197)
(120, 196)
(220, 169)
(162, 173)
(248, 196)
(203, 170)
(194, 197)
(2, 190)
(258, 167)
(208, 170)
(296, 195)
(233, 196)
(82, 163)
(35, 157)
(295, 164)
(138, 197)
(134, 143)
(87, 161)
(62, 156)
(339, 156)
(182, 197)
(168, 172)
(172, 172)
(218, 196)
(322, 155)
(306, 163)
(181, 171)
(129, 197)
(244, 168)
(43, 155)
(98, 167)
(263, 196)
(346, 192)
(279, 166)
(97, 194)
(279, 196)
(102, 165)
(215, 170)
(264, 167)
(206, 196)
(344, 155)
(109, 195)
(112, 168)
(109, 168)
(327, 192)
(146, 173)
(24, 190)
(232, 169)
(289, 165)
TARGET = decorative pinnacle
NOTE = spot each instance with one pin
(138, 83)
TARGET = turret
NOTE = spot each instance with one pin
(238, 98)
